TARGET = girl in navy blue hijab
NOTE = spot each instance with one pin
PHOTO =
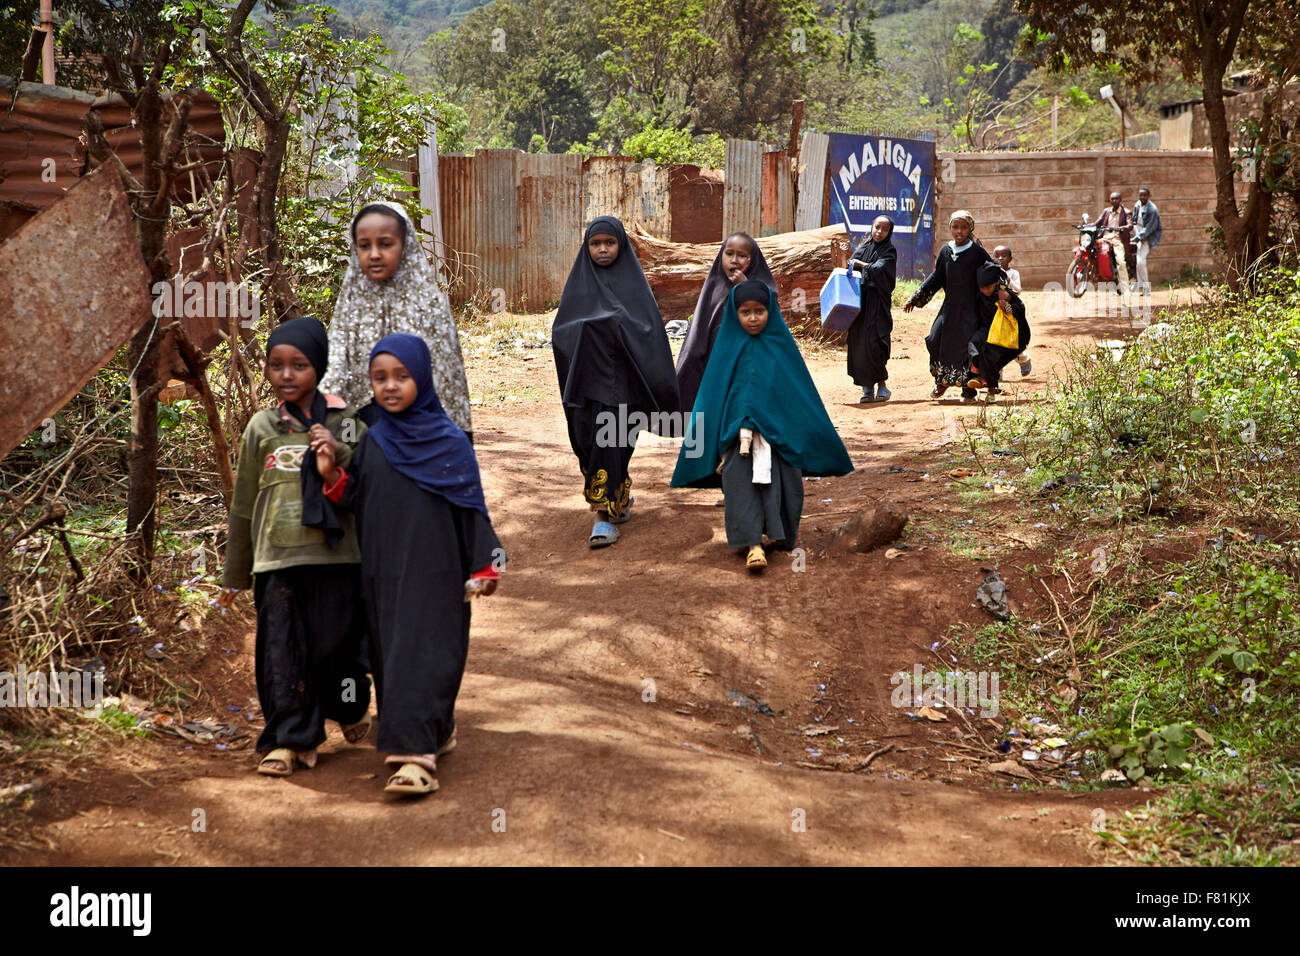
(427, 547)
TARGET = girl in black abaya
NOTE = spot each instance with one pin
(738, 259)
(955, 273)
(427, 547)
(871, 329)
(615, 369)
(987, 358)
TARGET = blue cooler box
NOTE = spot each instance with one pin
(841, 300)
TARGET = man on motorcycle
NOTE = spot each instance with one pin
(1116, 226)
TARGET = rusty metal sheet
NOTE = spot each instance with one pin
(204, 308)
(652, 212)
(550, 225)
(694, 203)
(457, 194)
(73, 287)
(812, 180)
(494, 176)
(742, 197)
(785, 194)
(608, 189)
(778, 194)
(40, 156)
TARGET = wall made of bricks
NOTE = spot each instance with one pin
(1031, 200)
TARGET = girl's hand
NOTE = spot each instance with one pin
(909, 306)
(479, 587)
(320, 437)
(1004, 297)
(736, 275)
(326, 447)
(225, 599)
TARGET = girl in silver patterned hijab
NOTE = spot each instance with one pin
(390, 287)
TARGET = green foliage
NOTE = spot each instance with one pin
(355, 126)
(17, 20)
(1188, 656)
(588, 77)
(122, 722)
(1165, 747)
(1209, 409)
(676, 146)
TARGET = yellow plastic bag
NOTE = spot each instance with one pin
(1004, 331)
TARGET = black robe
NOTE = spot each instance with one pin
(694, 356)
(989, 359)
(869, 335)
(611, 356)
(755, 510)
(417, 552)
(959, 316)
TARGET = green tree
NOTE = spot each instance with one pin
(1204, 37)
(17, 20)
(521, 68)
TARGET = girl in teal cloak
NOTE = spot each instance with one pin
(760, 425)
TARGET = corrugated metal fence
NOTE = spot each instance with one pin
(512, 221)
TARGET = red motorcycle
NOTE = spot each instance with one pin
(1093, 260)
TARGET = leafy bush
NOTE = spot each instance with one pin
(675, 146)
(1204, 406)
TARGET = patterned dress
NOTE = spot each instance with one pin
(408, 301)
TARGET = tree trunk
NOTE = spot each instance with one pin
(142, 493)
(1225, 196)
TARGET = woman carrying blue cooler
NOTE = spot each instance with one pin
(876, 258)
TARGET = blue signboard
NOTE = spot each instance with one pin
(872, 176)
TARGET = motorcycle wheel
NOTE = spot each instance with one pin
(1076, 282)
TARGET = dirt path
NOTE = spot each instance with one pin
(562, 757)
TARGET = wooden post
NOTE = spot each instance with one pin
(47, 54)
(792, 151)
(431, 199)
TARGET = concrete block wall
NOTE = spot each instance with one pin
(1030, 200)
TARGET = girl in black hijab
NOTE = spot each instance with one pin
(871, 329)
(987, 358)
(615, 369)
(739, 259)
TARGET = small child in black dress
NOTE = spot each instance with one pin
(427, 547)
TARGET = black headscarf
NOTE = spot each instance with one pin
(694, 356)
(307, 335)
(751, 290)
(608, 335)
(989, 273)
(871, 251)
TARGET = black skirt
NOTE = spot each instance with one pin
(309, 661)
